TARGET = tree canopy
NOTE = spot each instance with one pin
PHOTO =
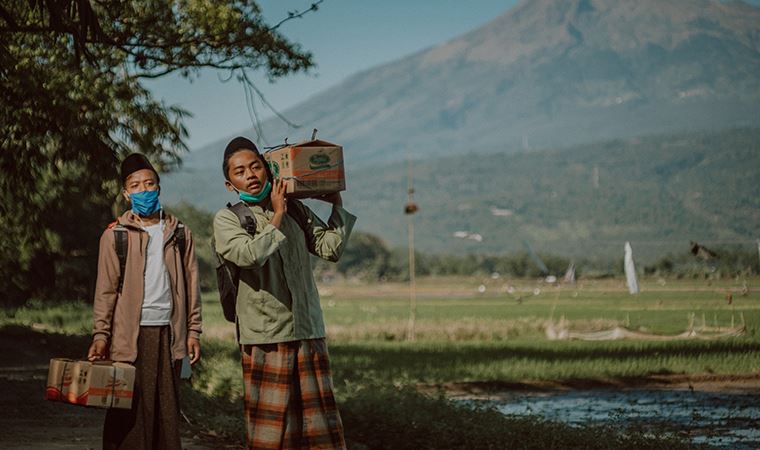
(73, 106)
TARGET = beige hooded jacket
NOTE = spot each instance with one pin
(117, 316)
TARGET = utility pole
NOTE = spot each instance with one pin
(409, 210)
(595, 178)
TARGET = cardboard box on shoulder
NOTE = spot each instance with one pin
(102, 384)
(310, 168)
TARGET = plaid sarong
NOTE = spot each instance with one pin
(289, 400)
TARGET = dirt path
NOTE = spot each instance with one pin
(30, 422)
(739, 384)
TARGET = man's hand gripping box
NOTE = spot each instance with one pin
(102, 384)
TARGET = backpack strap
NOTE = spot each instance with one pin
(227, 273)
(245, 216)
(180, 239)
(121, 243)
(296, 211)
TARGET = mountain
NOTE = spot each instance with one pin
(546, 74)
(583, 76)
(658, 192)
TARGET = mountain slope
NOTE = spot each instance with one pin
(547, 73)
(586, 201)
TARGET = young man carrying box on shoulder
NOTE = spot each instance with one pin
(147, 310)
(289, 400)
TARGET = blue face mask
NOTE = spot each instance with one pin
(145, 203)
(251, 198)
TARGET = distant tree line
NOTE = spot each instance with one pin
(367, 257)
(732, 260)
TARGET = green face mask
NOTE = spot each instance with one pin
(251, 198)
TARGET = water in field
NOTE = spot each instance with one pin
(721, 420)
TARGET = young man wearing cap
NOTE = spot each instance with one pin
(147, 310)
(289, 401)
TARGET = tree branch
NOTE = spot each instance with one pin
(76, 18)
(297, 15)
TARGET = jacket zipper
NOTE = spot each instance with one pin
(145, 267)
(173, 283)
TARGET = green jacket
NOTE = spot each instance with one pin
(277, 297)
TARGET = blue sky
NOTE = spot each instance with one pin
(345, 37)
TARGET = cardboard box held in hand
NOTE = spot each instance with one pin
(102, 384)
(309, 169)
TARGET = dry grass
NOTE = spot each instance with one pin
(464, 329)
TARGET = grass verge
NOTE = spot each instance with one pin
(461, 340)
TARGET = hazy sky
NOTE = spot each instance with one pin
(345, 36)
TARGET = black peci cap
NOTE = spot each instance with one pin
(239, 143)
(133, 163)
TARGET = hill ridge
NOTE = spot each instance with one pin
(582, 201)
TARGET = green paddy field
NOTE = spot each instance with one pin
(486, 332)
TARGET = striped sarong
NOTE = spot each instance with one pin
(289, 400)
(153, 421)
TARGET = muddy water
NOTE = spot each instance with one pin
(721, 420)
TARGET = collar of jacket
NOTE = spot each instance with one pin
(130, 220)
(264, 205)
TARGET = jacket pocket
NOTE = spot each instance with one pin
(261, 314)
(264, 302)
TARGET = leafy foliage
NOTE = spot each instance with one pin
(162, 36)
(201, 224)
(66, 121)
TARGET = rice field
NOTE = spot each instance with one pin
(464, 332)
(477, 331)
(465, 335)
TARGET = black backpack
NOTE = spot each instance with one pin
(227, 273)
(121, 242)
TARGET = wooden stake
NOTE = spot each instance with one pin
(411, 334)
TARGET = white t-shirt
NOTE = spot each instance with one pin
(157, 303)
